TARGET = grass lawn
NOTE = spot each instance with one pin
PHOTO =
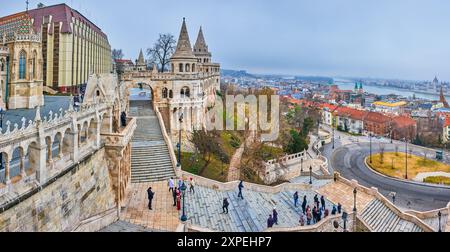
(193, 165)
(437, 180)
(394, 165)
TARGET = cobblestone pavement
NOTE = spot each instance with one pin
(51, 103)
(123, 226)
(342, 193)
(163, 217)
(204, 209)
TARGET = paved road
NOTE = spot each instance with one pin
(349, 161)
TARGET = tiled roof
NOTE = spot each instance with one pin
(403, 121)
(376, 117)
(351, 113)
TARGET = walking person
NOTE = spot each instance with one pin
(334, 210)
(174, 195)
(171, 184)
(308, 216)
(295, 199)
(322, 201)
(275, 216)
(150, 195)
(191, 186)
(270, 222)
(314, 215)
(305, 202)
(180, 183)
(339, 208)
(241, 185)
(225, 205)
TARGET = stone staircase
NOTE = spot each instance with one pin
(204, 209)
(150, 157)
(382, 219)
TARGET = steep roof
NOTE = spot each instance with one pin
(403, 122)
(351, 113)
(19, 23)
(184, 49)
(141, 60)
(376, 117)
(200, 47)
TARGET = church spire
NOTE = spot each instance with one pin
(184, 48)
(141, 60)
(200, 44)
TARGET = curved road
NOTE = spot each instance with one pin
(349, 160)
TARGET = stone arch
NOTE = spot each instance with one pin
(84, 134)
(17, 162)
(164, 93)
(193, 67)
(57, 146)
(67, 142)
(187, 68)
(33, 157)
(92, 130)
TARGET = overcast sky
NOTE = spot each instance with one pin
(407, 39)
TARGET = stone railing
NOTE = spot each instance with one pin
(168, 141)
(97, 222)
(434, 214)
(375, 193)
(25, 37)
(325, 225)
(121, 138)
(30, 148)
(293, 158)
(168, 76)
(229, 186)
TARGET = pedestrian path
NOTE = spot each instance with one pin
(150, 157)
(204, 209)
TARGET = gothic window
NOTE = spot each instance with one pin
(180, 66)
(164, 93)
(185, 92)
(22, 65)
(188, 68)
(170, 94)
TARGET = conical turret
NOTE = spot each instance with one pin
(184, 49)
(200, 45)
(141, 60)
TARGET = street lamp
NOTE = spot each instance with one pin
(179, 140)
(310, 175)
(440, 215)
(354, 199)
(2, 113)
(370, 140)
(183, 191)
(301, 167)
(406, 159)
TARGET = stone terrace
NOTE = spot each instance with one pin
(204, 209)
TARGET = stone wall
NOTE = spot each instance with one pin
(65, 203)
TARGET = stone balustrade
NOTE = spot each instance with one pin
(39, 150)
(374, 192)
(168, 141)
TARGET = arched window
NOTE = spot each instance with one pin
(170, 94)
(22, 65)
(164, 93)
(173, 68)
(188, 68)
(193, 67)
(180, 66)
(185, 92)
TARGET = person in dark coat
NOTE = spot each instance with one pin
(334, 210)
(123, 119)
(314, 214)
(275, 216)
(270, 222)
(305, 202)
(174, 195)
(322, 201)
(339, 208)
(241, 185)
(316, 199)
(295, 199)
(225, 206)
(150, 195)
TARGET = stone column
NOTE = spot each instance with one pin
(60, 145)
(7, 173)
(38, 156)
(49, 151)
(22, 166)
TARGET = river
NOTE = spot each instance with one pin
(379, 90)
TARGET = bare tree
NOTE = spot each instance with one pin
(382, 148)
(161, 51)
(117, 54)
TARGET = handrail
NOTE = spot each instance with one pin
(173, 158)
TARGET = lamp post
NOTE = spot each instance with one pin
(179, 140)
(333, 135)
(440, 227)
(370, 140)
(2, 113)
(354, 199)
(301, 166)
(310, 175)
(406, 159)
(183, 191)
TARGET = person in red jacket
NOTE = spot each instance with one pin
(178, 200)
